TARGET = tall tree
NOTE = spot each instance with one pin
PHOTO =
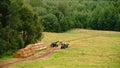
(50, 23)
(19, 26)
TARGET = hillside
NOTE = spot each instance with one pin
(23, 21)
(99, 49)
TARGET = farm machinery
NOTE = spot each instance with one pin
(63, 45)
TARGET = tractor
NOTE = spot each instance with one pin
(54, 44)
(63, 45)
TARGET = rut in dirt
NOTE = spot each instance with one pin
(13, 61)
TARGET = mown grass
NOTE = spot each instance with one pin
(93, 49)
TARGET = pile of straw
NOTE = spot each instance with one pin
(39, 46)
(25, 52)
(29, 50)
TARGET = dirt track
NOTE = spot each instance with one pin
(6, 63)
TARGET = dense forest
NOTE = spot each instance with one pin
(22, 21)
(62, 15)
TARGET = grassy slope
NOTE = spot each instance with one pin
(99, 49)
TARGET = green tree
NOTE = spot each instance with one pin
(93, 14)
(50, 23)
(64, 24)
(19, 26)
(31, 26)
(10, 41)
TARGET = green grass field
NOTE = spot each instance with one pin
(93, 49)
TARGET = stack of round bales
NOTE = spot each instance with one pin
(29, 50)
(39, 46)
(25, 52)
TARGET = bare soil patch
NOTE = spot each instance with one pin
(6, 63)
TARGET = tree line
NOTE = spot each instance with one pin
(60, 16)
(22, 21)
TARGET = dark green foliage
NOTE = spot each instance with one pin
(50, 22)
(93, 14)
(117, 26)
(105, 19)
(19, 26)
(31, 27)
(64, 24)
(10, 41)
(4, 4)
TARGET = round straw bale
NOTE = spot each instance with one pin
(30, 54)
(21, 50)
(25, 55)
(18, 52)
(24, 52)
(32, 48)
(17, 55)
(25, 49)
(28, 51)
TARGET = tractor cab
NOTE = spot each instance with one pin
(64, 45)
(54, 44)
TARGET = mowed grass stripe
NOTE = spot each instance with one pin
(94, 49)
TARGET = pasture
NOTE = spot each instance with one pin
(92, 49)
